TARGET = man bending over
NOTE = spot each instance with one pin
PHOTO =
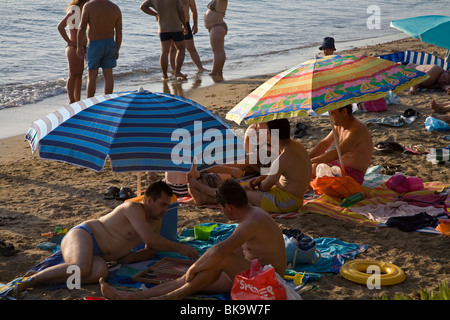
(257, 236)
(92, 243)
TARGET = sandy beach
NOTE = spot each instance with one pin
(39, 195)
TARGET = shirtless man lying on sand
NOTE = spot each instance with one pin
(283, 189)
(439, 78)
(257, 236)
(355, 143)
(112, 237)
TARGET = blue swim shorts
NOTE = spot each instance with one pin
(101, 54)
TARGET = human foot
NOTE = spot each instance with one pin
(195, 190)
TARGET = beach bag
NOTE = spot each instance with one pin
(336, 187)
(433, 124)
(300, 248)
(257, 283)
(379, 105)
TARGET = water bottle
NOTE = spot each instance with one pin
(336, 171)
(354, 198)
(437, 155)
(323, 170)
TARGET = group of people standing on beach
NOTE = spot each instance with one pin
(102, 19)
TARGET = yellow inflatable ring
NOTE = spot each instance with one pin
(356, 271)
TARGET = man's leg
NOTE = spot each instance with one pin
(179, 58)
(201, 194)
(164, 58)
(190, 47)
(109, 80)
(91, 83)
(77, 249)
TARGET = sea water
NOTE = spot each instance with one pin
(263, 37)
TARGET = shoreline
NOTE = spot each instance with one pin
(49, 194)
(15, 121)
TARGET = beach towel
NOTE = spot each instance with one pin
(334, 253)
(416, 57)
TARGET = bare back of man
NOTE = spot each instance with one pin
(103, 18)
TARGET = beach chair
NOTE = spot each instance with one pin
(416, 57)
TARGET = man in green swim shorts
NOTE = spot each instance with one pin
(104, 19)
(280, 191)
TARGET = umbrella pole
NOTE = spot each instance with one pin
(336, 142)
(139, 184)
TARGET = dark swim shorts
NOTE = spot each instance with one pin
(101, 54)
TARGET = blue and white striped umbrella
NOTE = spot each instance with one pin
(139, 131)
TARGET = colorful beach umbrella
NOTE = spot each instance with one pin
(320, 85)
(138, 131)
(432, 29)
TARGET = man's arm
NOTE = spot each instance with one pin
(193, 7)
(81, 34)
(145, 7)
(347, 145)
(181, 15)
(153, 240)
(214, 255)
(118, 32)
(321, 148)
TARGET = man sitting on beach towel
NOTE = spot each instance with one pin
(112, 237)
(355, 143)
(256, 236)
(280, 191)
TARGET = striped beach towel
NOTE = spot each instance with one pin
(416, 58)
(328, 206)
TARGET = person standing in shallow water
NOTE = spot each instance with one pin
(104, 20)
(75, 64)
(217, 30)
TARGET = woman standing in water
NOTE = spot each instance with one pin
(76, 64)
(217, 30)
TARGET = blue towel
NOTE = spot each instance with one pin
(334, 254)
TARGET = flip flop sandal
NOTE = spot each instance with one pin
(111, 193)
(383, 147)
(410, 113)
(301, 130)
(124, 194)
(417, 149)
(7, 249)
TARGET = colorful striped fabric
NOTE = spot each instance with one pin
(328, 206)
(324, 84)
(138, 131)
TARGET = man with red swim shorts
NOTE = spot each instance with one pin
(355, 143)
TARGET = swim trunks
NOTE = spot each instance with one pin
(223, 25)
(175, 36)
(280, 201)
(189, 34)
(354, 173)
(95, 247)
(180, 190)
(101, 54)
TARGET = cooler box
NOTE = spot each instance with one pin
(170, 221)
